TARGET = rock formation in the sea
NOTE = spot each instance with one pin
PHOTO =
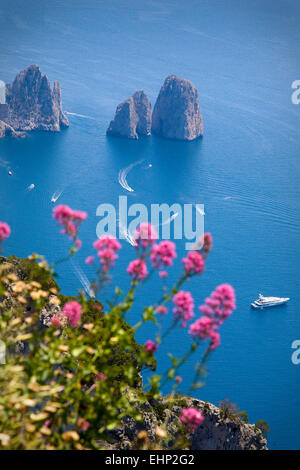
(132, 118)
(176, 114)
(32, 104)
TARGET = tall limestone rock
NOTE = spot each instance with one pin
(176, 114)
(132, 118)
(33, 104)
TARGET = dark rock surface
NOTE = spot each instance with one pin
(33, 104)
(176, 114)
(7, 131)
(132, 118)
(215, 433)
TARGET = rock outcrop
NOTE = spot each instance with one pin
(132, 118)
(176, 114)
(7, 131)
(215, 433)
(33, 104)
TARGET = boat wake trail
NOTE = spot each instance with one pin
(123, 175)
(80, 115)
(168, 221)
(127, 236)
(83, 279)
(56, 195)
(4, 164)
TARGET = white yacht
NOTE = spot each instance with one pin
(263, 302)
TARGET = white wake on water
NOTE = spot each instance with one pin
(122, 178)
(126, 234)
(56, 195)
(83, 279)
(79, 115)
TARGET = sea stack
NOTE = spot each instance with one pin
(132, 118)
(176, 114)
(33, 104)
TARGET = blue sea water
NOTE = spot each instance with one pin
(243, 56)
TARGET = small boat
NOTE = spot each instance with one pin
(263, 302)
(10, 173)
(56, 196)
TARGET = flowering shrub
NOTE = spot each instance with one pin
(73, 367)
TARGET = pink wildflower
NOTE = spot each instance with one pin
(202, 328)
(215, 340)
(101, 377)
(178, 379)
(137, 269)
(47, 423)
(4, 231)
(163, 253)
(207, 242)
(78, 244)
(55, 321)
(90, 260)
(162, 309)
(216, 309)
(107, 258)
(151, 346)
(184, 307)
(193, 263)
(220, 304)
(107, 241)
(72, 310)
(69, 219)
(191, 417)
(145, 235)
(107, 247)
(163, 274)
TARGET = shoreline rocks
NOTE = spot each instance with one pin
(132, 118)
(215, 433)
(32, 104)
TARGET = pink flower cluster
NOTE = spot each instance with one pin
(184, 307)
(137, 269)
(193, 263)
(220, 304)
(161, 309)
(107, 247)
(4, 231)
(72, 311)
(191, 417)
(145, 235)
(216, 309)
(151, 346)
(56, 321)
(69, 219)
(162, 254)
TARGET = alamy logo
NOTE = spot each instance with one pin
(186, 221)
(296, 95)
(296, 354)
